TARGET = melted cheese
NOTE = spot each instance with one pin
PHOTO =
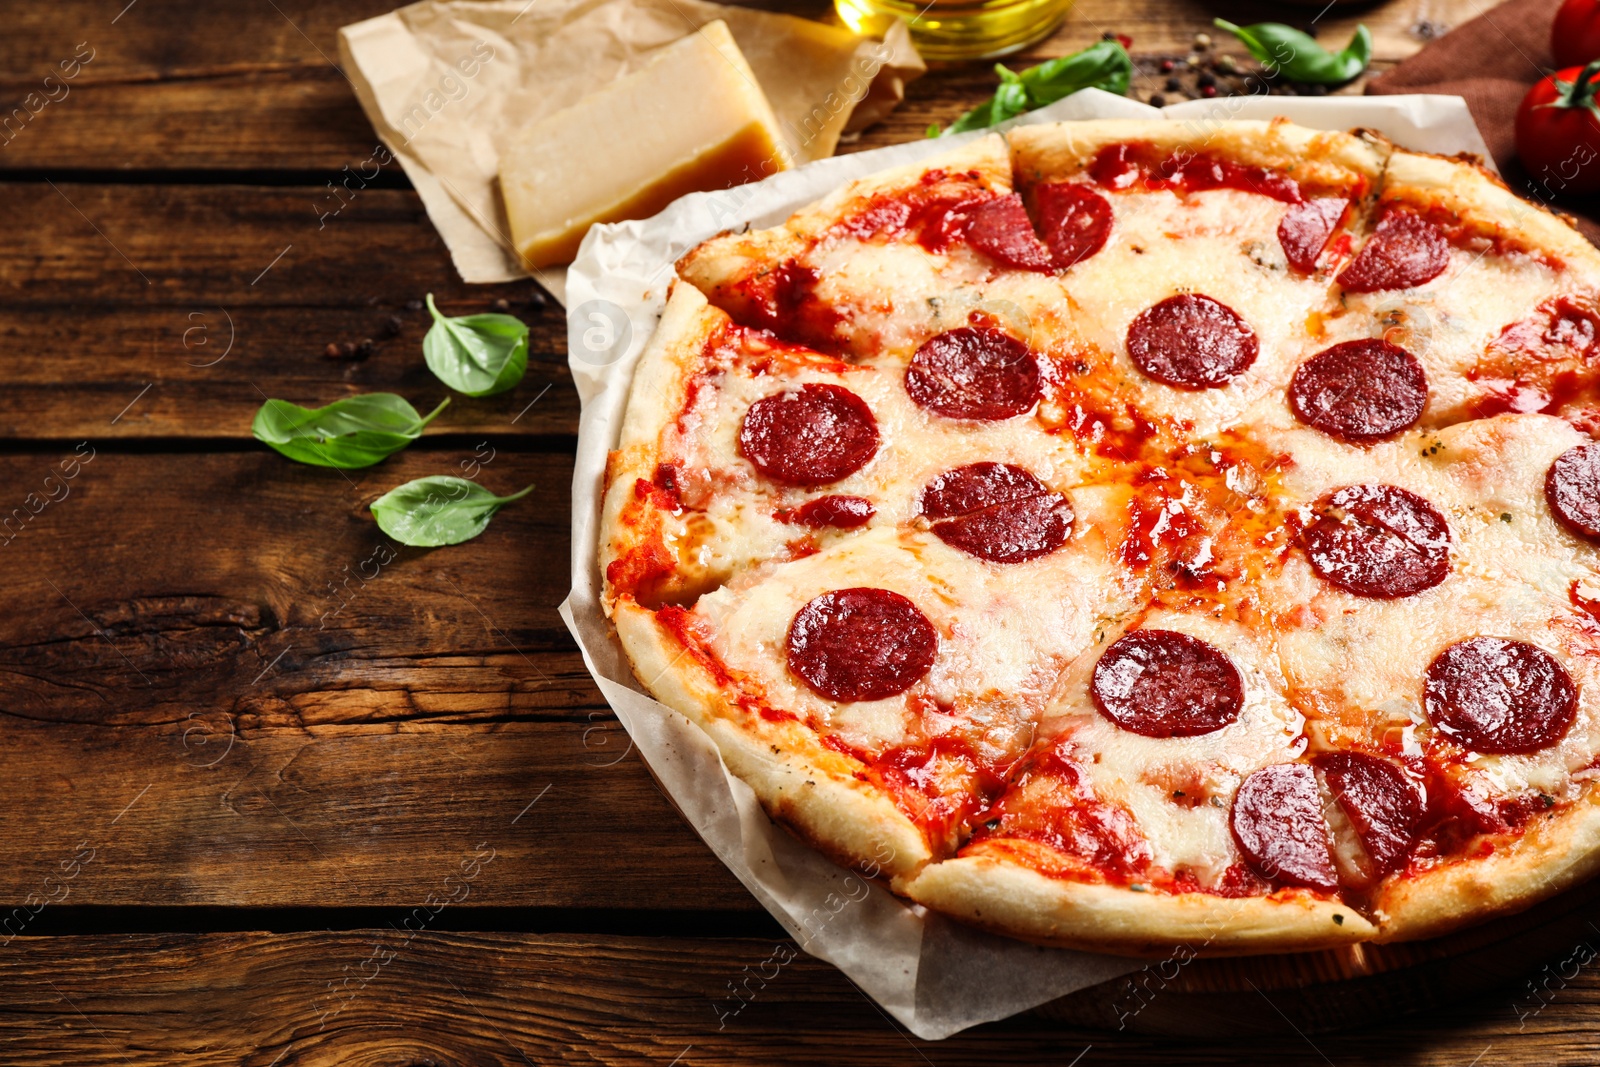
(1005, 633)
(1449, 322)
(1180, 789)
(1221, 243)
(915, 447)
(1357, 665)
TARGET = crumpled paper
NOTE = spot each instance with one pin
(935, 976)
(445, 81)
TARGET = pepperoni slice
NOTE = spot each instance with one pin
(1379, 800)
(1000, 229)
(861, 644)
(1379, 541)
(1572, 489)
(1075, 220)
(1359, 390)
(1191, 341)
(996, 511)
(974, 372)
(844, 512)
(819, 434)
(1405, 250)
(1160, 683)
(1278, 825)
(1305, 228)
(1500, 696)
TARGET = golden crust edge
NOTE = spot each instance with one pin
(1552, 856)
(1005, 897)
(657, 393)
(798, 782)
(1065, 148)
(1462, 185)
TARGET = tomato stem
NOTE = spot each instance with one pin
(1581, 91)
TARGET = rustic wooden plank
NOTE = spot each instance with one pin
(243, 585)
(392, 997)
(200, 301)
(250, 87)
(316, 713)
(188, 814)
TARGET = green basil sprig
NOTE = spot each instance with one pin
(479, 355)
(1285, 51)
(438, 510)
(1104, 65)
(355, 432)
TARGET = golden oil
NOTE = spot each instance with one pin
(959, 29)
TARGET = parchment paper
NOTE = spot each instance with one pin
(444, 81)
(933, 975)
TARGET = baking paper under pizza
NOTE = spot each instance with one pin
(1118, 534)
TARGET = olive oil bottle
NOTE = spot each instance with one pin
(959, 29)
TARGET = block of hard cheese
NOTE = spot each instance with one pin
(692, 119)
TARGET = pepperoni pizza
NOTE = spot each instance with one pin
(1119, 534)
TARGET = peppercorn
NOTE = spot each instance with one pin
(1157, 100)
(1173, 85)
(1208, 91)
(1168, 66)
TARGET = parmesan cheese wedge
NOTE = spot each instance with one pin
(692, 119)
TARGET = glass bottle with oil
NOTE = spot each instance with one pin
(959, 29)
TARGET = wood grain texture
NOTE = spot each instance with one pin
(215, 297)
(320, 717)
(384, 997)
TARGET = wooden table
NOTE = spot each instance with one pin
(270, 802)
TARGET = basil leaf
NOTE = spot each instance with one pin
(438, 510)
(355, 432)
(1285, 51)
(476, 354)
(1104, 65)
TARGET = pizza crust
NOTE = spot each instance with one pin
(1553, 854)
(629, 523)
(1462, 186)
(1061, 150)
(1005, 897)
(811, 789)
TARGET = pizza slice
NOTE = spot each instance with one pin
(1435, 615)
(1165, 748)
(1199, 259)
(803, 556)
(1495, 299)
(881, 265)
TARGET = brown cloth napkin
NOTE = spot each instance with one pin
(1491, 62)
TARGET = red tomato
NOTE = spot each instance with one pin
(1558, 131)
(1575, 34)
